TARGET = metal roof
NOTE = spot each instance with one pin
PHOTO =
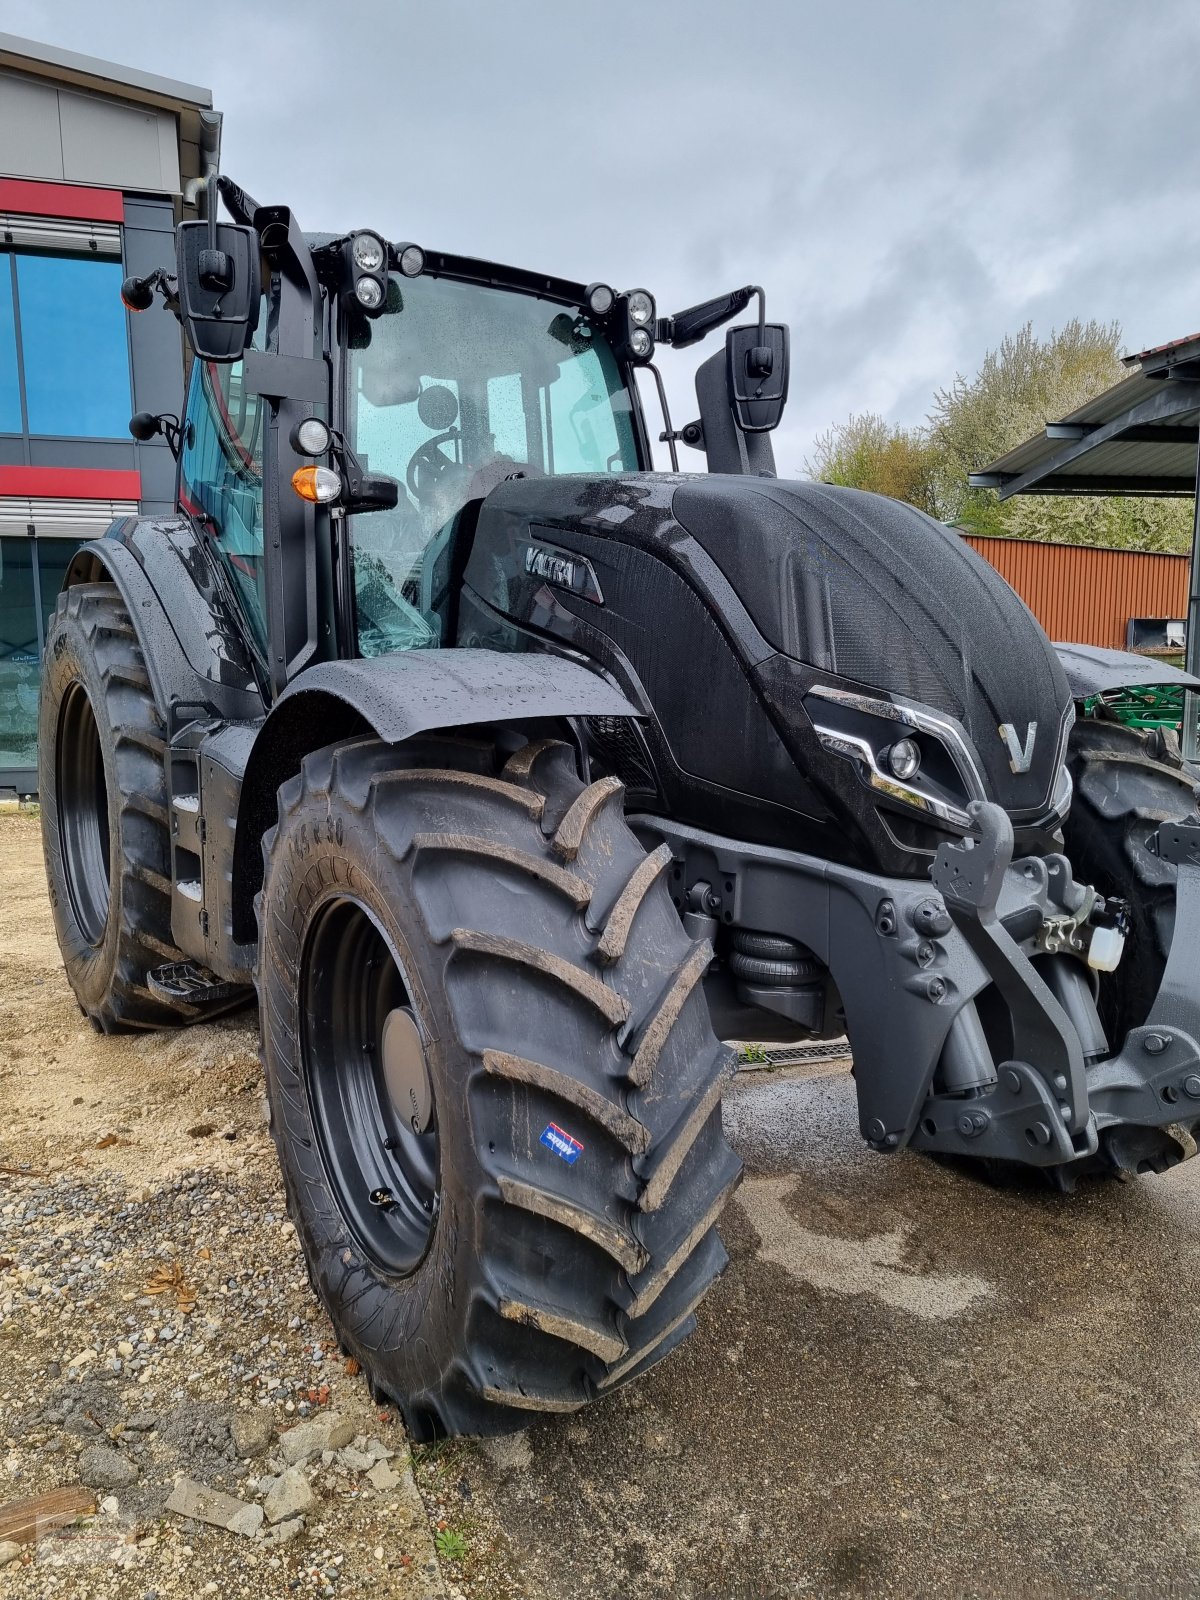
(1139, 437)
(30, 55)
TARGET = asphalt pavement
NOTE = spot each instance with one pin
(909, 1382)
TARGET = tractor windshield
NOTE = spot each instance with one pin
(460, 387)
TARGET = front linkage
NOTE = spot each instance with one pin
(969, 1001)
(1061, 1098)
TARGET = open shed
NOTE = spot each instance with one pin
(1142, 436)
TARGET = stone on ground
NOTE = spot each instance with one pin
(290, 1496)
(252, 1432)
(103, 1468)
(315, 1435)
(191, 1499)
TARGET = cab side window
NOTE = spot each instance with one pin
(221, 481)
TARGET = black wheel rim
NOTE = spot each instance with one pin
(383, 1173)
(82, 799)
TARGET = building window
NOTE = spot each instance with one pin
(20, 655)
(31, 574)
(10, 386)
(64, 347)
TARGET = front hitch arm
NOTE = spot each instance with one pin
(1049, 1107)
(1039, 1110)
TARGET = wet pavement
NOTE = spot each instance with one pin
(909, 1382)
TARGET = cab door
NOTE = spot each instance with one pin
(221, 482)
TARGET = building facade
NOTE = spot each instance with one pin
(95, 161)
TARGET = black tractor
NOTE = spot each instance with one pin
(513, 777)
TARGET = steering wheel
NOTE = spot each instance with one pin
(429, 466)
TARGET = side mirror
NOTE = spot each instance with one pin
(757, 358)
(145, 425)
(219, 287)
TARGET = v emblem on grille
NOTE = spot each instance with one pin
(1020, 756)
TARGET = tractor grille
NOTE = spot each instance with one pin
(616, 748)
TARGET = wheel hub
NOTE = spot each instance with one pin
(405, 1073)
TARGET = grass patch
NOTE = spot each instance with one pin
(451, 1545)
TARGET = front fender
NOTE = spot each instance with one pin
(1090, 670)
(418, 691)
(395, 698)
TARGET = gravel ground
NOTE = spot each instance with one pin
(156, 1322)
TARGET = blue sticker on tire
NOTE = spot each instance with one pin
(561, 1142)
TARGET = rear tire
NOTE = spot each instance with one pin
(514, 914)
(102, 788)
(1126, 783)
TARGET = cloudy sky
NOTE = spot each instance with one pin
(908, 180)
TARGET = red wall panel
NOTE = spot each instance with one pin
(61, 200)
(72, 483)
(1084, 595)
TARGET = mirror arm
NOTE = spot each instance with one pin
(240, 206)
(172, 431)
(697, 322)
(761, 360)
(364, 491)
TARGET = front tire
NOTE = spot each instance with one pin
(548, 1233)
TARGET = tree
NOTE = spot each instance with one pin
(865, 452)
(1020, 386)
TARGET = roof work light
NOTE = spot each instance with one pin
(365, 261)
(632, 326)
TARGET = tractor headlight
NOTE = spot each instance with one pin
(632, 326)
(904, 759)
(369, 254)
(905, 753)
(599, 299)
(412, 260)
(320, 485)
(363, 277)
(311, 437)
(641, 309)
(369, 293)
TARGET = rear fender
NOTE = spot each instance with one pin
(395, 698)
(194, 655)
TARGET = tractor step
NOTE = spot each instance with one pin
(188, 983)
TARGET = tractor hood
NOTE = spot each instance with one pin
(853, 586)
(875, 591)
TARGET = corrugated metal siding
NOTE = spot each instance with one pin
(61, 233)
(87, 518)
(1087, 596)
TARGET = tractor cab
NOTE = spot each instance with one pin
(454, 388)
(355, 400)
